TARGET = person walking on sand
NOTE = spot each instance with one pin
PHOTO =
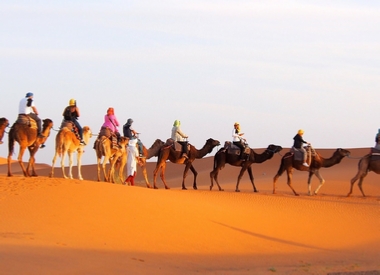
(133, 158)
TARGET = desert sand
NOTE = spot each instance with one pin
(63, 226)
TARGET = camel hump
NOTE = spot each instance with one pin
(26, 120)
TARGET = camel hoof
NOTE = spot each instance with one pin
(195, 188)
(255, 191)
(155, 187)
(296, 194)
(237, 190)
(167, 188)
(223, 189)
(184, 188)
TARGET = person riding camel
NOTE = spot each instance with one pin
(71, 113)
(179, 136)
(377, 140)
(238, 140)
(111, 122)
(298, 144)
(129, 132)
(27, 107)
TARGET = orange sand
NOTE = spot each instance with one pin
(58, 226)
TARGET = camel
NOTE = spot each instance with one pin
(27, 137)
(222, 157)
(168, 153)
(153, 151)
(3, 124)
(365, 165)
(315, 163)
(67, 142)
(111, 155)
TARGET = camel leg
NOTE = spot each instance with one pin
(105, 174)
(290, 175)
(70, 164)
(239, 178)
(214, 175)
(279, 173)
(52, 165)
(9, 160)
(321, 181)
(162, 175)
(311, 173)
(155, 176)
(79, 164)
(251, 178)
(32, 161)
(98, 167)
(195, 173)
(360, 183)
(20, 154)
(360, 175)
(145, 174)
(63, 163)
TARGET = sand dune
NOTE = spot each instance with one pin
(58, 226)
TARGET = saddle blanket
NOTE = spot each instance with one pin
(375, 154)
(175, 145)
(234, 150)
(26, 120)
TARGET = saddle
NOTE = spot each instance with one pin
(175, 145)
(26, 120)
(71, 126)
(375, 154)
(298, 154)
(107, 133)
(234, 150)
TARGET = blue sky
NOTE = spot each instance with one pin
(273, 66)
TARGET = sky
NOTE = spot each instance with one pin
(273, 66)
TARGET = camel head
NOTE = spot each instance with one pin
(342, 152)
(212, 143)
(274, 148)
(4, 121)
(47, 124)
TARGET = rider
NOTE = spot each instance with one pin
(377, 140)
(298, 144)
(71, 113)
(179, 136)
(111, 122)
(129, 132)
(237, 139)
(27, 107)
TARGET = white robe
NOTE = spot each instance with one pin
(132, 160)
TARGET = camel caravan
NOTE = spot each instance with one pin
(113, 150)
